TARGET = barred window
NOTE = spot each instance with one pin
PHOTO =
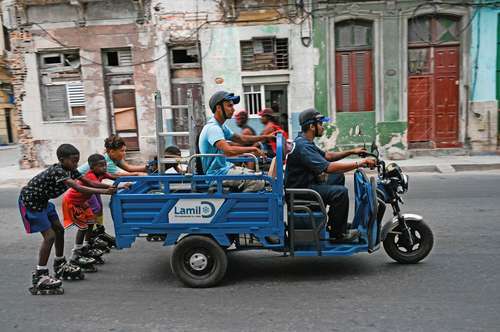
(254, 95)
(264, 54)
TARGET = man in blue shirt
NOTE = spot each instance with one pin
(215, 138)
(306, 163)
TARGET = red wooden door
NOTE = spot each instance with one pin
(433, 100)
(420, 108)
(446, 96)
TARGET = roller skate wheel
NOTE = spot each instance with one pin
(92, 269)
(52, 291)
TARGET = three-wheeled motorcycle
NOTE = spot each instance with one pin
(203, 219)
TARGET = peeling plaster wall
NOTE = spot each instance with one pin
(389, 123)
(483, 125)
(88, 135)
(484, 116)
(222, 60)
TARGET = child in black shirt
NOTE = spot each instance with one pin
(39, 215)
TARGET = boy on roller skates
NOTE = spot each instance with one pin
(39, 215)
(116, 165)
(80, 211)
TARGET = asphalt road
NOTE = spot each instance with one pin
(456, 288)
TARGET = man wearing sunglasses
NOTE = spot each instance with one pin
(215, 138)
(306, 163)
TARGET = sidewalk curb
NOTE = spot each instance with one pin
(450, 168)
(475, 167)
(420, 169)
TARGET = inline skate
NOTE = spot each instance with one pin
(44, 284)
(96, 254)
(97, 243)
(100, 232)
(86, 264)
(66, 270)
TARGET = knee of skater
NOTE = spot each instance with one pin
(59, 231)
(49, 237)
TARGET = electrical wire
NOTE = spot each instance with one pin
(306, 15)
(62, 44)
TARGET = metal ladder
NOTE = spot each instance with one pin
(162, 133)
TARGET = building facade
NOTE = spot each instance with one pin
(485, 77)
(82, 70)
(8, 132)
(86, 69)
(399, 72)
(395, 72)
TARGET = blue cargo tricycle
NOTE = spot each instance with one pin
(203, 220)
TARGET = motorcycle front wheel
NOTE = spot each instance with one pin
(398, 246)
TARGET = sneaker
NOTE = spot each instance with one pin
(350, 237)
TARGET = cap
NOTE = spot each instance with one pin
(220, 96)
(310, 116)
(266, 111)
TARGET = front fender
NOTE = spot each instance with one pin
(389, 226)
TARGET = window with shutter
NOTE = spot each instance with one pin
(76, 99)
(55, 106)
(264, 54)
(121, 57)
(125, 57)
(353, 66)
(61, 87)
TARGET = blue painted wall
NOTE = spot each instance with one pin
(484, 54)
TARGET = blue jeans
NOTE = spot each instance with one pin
(335, 194)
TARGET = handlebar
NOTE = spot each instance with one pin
(380, 164)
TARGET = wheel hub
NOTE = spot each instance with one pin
(198, 261)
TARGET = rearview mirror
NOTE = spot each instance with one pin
(374, 149)
(357, 131)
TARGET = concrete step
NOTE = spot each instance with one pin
(442, 152)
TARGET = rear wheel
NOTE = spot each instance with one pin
(199, 261)
(398, 246)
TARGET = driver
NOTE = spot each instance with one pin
(306, 163)
(215, 137)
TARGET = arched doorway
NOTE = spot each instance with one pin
(433, 74)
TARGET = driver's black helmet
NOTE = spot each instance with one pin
(310, 116)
